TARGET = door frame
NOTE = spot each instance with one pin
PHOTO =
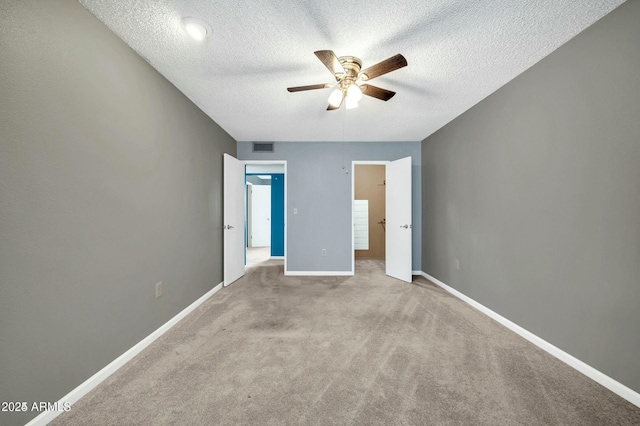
(266, 163)
(353, 195)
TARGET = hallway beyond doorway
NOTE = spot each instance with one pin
(261, 256)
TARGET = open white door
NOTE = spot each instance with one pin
(233, 219)
(398, 199)
(260, 216)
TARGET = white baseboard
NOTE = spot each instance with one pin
(277, 257)
(319, 273)
(606, 381)
(331, 273)
(93, 381)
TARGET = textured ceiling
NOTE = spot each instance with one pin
(458, 53)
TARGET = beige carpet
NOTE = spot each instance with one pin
(362, 350)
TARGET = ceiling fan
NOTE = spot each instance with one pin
(349, 76)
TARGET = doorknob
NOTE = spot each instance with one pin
(229, 227)
(405, 226)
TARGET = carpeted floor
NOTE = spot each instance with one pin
(361, 350)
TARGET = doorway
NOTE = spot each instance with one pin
(264, 212)
(396, 220)
(369, 211)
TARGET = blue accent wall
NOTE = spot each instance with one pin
(277, 214)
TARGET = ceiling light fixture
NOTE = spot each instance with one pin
(354, 92)
(196, 28)
(347, 91)
(350, 103)
(335, 99)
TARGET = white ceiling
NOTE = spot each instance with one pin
(458, 53)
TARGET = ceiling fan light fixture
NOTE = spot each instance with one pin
(350, 103)
(335, 99)
(354, 93)
(196, 28)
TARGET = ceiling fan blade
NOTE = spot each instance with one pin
(310, 87)
(391, 64)
(330, 60)
(376, 92)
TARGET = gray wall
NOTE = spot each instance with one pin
(320, 189)
(110, 181)
(536, 190)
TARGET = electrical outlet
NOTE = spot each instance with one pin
(457, 262)
(158, 289)
(324, 252)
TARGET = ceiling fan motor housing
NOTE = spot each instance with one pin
(352, 66)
